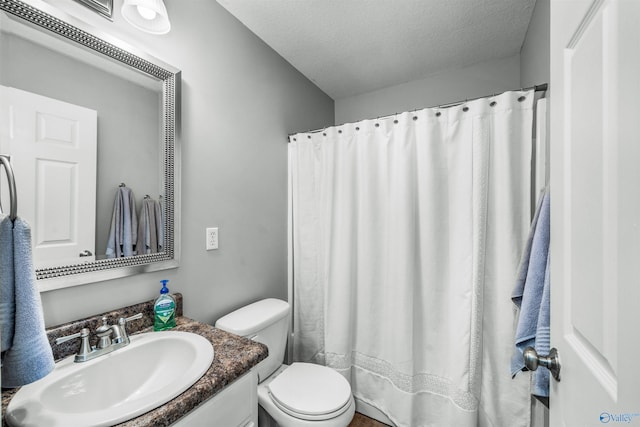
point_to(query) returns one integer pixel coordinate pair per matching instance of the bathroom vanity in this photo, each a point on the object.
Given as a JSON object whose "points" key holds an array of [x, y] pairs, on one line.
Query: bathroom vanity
{"points": [[225, 395]]}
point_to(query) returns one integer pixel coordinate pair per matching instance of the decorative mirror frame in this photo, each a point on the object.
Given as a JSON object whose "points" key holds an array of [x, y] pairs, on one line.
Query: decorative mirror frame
{"points": [[64, 26]]}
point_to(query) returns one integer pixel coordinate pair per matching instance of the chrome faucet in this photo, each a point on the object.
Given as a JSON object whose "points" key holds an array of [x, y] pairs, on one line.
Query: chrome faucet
{"points": [[110, 338]]}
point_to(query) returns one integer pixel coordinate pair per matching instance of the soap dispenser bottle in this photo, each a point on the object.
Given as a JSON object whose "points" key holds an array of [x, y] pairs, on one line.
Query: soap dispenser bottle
{"points": [[164, 310]]}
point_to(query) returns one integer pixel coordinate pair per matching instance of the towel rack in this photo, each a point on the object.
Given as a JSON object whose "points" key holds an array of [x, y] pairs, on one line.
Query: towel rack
{"points": [[13, 196]]}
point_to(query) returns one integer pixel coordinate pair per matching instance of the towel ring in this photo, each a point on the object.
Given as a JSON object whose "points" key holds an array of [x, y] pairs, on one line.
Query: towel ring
{"points": [[13, 195]]}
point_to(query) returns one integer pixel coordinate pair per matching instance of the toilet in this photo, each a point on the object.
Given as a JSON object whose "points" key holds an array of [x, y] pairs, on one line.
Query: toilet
{"points": [[302, 394]]}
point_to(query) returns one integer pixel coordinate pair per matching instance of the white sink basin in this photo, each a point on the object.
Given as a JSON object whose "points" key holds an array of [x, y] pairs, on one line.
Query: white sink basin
{"points": [[153, 369]]}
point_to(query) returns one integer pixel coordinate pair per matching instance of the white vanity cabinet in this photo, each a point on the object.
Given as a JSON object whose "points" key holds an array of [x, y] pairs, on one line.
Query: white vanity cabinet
{"points": [[235, 406]]}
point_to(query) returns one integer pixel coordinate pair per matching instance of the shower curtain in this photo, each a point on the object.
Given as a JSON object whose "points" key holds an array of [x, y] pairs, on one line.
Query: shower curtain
{"points": [[405, 239]]}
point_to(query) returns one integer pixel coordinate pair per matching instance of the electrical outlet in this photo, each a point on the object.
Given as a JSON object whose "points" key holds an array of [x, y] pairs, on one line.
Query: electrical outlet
{"points": [[212, 238]]}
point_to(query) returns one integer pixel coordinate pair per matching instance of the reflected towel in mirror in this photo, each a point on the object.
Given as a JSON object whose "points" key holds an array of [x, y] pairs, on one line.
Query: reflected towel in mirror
{"points": [[150, 228], [124, 225]]}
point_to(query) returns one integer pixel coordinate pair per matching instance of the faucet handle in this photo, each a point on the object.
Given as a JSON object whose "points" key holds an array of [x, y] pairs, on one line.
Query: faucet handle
{"points": [[134, 317], [85, 348], [122, 323], [84, 333], [124, 320]]}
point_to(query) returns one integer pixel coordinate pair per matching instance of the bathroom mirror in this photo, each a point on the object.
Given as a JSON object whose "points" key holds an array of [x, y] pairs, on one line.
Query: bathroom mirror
{"points": [[128, 101]]}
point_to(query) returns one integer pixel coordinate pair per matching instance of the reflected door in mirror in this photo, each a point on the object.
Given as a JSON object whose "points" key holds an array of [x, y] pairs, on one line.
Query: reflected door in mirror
{"points": [[53, 146]]}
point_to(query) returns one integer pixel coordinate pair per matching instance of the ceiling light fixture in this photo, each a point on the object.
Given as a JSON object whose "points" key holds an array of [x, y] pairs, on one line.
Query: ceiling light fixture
{"points": [[147, 15]]}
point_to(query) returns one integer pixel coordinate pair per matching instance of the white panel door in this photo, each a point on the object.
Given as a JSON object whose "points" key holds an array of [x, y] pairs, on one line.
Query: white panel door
{"points": [[53, 146], [595, 211]]}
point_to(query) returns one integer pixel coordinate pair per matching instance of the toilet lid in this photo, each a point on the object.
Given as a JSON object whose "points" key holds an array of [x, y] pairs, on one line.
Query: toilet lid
{"points": [[310, 391]]}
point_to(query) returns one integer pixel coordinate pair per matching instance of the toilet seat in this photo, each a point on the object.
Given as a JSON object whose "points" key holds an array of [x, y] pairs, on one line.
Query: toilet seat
{"points": [[310, 392]]}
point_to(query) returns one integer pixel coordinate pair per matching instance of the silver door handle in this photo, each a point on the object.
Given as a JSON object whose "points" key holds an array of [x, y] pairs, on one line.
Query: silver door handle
{"points": [[86, 252], [551, 362]]}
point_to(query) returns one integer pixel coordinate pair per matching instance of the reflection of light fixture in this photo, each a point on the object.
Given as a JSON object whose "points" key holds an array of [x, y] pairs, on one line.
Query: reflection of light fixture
{"points": [[147, 15]]}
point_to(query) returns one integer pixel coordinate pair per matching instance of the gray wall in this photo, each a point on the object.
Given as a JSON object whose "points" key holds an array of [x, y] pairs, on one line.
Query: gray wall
{"points": [[451, 85], [534, 56], [527, 69], [128, 119], [240, 100]]}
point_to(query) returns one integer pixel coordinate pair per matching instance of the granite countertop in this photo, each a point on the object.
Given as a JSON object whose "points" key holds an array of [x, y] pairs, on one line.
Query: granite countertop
{"points": [[233, 357]]}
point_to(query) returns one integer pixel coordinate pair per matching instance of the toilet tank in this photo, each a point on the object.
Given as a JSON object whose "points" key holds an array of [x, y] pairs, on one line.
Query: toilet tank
{"points": [[264, 321]]}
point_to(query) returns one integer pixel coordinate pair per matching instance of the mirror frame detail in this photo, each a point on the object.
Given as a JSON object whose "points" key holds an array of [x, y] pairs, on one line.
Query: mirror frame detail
{"points": [[49, 19]]}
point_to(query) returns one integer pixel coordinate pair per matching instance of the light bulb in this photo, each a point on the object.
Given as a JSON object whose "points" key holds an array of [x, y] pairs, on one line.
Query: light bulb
{"points": [[146, 13]]}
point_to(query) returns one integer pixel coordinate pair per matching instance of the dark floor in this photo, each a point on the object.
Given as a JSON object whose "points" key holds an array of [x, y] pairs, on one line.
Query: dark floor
{"points": [[360, 420]]}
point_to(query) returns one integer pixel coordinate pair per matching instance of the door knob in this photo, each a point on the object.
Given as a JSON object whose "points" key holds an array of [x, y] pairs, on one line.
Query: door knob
{"points": [[86, 252], [552, 362]]}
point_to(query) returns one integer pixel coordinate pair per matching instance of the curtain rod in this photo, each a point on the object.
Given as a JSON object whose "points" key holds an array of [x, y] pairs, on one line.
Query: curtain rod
{"points": [[537, 88]]}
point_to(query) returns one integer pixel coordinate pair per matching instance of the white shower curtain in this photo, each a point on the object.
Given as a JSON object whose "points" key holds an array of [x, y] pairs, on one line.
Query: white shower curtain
{"points": [[406, 236]]}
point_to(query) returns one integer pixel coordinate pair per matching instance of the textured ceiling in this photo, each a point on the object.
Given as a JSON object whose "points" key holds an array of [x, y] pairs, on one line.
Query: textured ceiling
{"points": [[349, 47]]}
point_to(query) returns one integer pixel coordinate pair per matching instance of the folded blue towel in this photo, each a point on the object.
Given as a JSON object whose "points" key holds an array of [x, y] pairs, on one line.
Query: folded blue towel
{"points": [[540, 378], [530, 286], [30, 357], [523, 267], [8, 300]]}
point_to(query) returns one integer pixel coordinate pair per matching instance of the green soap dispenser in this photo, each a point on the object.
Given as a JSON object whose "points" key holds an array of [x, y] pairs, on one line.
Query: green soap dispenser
{"points": [[164, 310]]}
